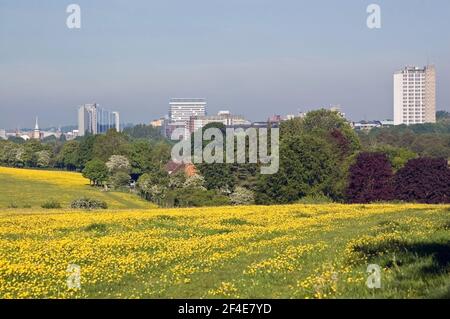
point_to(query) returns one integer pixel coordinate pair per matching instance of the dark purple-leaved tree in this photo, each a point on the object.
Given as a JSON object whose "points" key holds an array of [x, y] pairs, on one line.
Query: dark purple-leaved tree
{"points": [[370, 179], [424, 180]]}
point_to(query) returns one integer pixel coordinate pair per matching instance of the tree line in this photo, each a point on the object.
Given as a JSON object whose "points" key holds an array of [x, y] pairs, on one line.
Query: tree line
{"points": [[322, 159]]}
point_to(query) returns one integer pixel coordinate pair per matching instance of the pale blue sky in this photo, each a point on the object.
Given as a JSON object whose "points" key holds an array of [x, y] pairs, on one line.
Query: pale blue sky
{"points": [[254, 57]]}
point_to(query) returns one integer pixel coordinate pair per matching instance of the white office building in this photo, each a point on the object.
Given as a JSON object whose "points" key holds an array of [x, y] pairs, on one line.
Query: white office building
{"points": [[181, 110], [94, 120], [415, 95], [3, 134]]}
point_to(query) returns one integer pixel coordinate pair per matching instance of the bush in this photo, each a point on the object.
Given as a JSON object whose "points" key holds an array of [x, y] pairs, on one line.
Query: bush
{"points": [[13, 205], [242, 196], [51, 204], [191, 197], [88, 203], [424, 180]]}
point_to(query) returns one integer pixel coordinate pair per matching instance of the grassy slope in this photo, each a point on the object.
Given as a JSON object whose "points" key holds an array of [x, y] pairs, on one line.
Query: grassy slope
{"points": [[31, 188], [299, 251]]}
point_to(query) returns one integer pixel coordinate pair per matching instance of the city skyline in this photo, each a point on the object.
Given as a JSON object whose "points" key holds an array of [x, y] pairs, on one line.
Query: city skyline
{"points": [[258, 57]]}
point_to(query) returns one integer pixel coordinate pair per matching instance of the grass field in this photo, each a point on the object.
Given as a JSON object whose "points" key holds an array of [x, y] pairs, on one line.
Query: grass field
{"points": [[25, 188], [132, 251], [298, 251]]}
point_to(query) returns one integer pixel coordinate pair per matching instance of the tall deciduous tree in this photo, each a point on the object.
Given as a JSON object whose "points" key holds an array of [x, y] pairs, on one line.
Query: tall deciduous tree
{"points": [[70, 155], [424, 180], [305, 168], [370, 179], [112, 143]]}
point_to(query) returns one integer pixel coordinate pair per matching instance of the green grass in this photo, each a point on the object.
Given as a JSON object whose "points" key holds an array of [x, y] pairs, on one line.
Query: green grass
{"points": [[19, 192]]}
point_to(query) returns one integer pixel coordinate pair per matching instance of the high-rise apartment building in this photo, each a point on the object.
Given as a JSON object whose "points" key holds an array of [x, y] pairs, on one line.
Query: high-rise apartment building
{"points": [[93, 119], [415, 95], [181, 110], [3, 134]]}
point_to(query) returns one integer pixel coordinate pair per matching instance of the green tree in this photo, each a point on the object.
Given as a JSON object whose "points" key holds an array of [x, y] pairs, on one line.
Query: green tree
{"points": [[86, 149], [397, 156], [12, 154], [70, 155], [43, 159], [153, 185], [119, 179], [31, 148], [218, 176], [306, 168], [143, 131], [338, 139], [112, 143], [96, 171]]}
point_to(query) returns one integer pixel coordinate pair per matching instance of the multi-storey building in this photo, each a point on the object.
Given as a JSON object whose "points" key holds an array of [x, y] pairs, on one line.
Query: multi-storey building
{"points": [[181, 110], [3, 134], [93, 119], [415, 95]]}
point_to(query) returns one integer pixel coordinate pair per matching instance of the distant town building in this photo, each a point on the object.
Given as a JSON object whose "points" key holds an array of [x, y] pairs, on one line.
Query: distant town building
{"points": [[366, 125], [116, 117], [223, 117], [173, 168], [93, 119], [36, 133], [157, 123], [275, 119], [387, 123], [337, 109], [415, 95], [170, 127], [3, 134], [25, 137], [332, 108], [181, 110]]}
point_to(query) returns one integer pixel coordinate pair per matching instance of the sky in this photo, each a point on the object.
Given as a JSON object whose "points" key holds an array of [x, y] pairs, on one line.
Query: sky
{"points": [[252, 57]]}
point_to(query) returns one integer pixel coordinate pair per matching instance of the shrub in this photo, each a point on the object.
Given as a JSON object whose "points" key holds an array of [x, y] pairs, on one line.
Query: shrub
{"points": [[424, 180], [13, 205], [242, 196], [370, 179], [191, 197], [88, 203], [51, 204]]}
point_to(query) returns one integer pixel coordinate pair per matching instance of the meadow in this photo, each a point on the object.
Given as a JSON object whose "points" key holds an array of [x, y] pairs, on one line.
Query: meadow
{"points": [[26, 188], [293, 251]]}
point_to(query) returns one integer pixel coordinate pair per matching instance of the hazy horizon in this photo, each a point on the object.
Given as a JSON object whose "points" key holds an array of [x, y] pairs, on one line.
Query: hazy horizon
{"points": [[253, 57]]}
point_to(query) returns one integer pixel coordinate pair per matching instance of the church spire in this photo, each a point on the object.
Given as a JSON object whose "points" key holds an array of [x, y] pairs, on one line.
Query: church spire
{"points": [[36, 127]]}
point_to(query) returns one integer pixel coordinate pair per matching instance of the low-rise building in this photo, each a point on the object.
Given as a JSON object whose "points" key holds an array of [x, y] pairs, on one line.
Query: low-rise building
{"points": [[366, 125], [157, 123], [223, 117]]}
